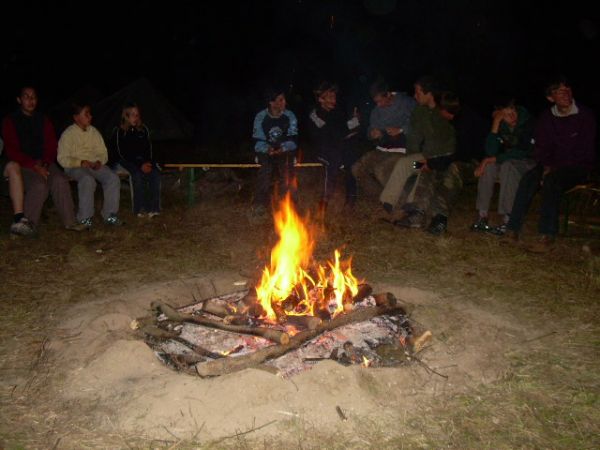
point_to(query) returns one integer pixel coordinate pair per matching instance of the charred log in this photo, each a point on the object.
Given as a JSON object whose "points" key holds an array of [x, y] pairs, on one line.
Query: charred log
{"points": [[273, 335], [228, 365], [364, 290]]}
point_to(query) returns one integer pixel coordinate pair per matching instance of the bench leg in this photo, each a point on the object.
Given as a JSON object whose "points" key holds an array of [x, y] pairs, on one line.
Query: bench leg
{"points": [[191, 187]]}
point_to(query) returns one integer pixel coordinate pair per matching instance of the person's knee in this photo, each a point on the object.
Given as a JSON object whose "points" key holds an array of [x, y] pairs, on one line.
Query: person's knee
{"points": [[37, 186], [60, 183], [12, 169], [87, 183]]}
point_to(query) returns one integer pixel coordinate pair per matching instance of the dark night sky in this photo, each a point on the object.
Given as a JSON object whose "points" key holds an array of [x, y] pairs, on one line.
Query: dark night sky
{"points": [[212, 59]]}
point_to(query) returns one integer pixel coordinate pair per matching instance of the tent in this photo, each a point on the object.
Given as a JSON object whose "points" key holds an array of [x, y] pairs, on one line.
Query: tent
{"points": [[163, 119]]}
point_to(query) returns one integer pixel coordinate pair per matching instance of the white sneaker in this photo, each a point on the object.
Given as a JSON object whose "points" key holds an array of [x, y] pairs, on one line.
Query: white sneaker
{"points": [[141, 215], [151, 214], [22, 228]]}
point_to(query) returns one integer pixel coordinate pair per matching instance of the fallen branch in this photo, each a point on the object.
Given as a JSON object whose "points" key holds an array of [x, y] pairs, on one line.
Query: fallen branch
{"points": [[234, 364], [273, 335]]}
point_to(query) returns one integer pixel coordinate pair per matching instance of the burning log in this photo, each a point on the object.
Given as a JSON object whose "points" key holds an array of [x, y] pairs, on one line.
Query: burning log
{"points": [[364, 290], [290, 303], [216, 309], [273, 335], [229, 365], [279, 312], [306, 322], [236, 319], [385, 298]]}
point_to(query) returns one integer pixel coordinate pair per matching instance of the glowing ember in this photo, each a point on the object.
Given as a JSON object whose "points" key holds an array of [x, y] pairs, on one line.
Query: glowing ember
{"points": [[289, 285]]}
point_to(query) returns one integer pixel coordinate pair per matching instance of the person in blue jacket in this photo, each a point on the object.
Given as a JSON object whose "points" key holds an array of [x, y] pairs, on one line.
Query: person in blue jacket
{"points": [[275, 134]]}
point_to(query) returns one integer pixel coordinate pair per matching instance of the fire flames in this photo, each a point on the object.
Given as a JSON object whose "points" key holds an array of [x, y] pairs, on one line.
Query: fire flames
{"points": [[293, 284]]}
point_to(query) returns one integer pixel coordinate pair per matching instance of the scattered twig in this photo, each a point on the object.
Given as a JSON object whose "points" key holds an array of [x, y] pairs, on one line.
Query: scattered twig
{"points": [[540, 337], [251, 430], [341, 414], [168, 431], [429, 369]]}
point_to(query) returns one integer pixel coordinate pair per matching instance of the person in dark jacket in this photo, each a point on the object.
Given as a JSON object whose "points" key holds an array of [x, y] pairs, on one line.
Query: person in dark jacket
{"points": [[564, 151], [131, 141], [334, 136], [508, 149]]}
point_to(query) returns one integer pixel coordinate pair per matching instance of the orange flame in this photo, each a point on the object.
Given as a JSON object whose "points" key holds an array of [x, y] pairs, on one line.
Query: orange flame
{"points": [[288, 276], [366, 362]]}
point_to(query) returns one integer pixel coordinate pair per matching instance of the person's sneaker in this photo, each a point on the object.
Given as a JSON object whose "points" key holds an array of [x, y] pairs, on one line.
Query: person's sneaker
{"points": [[22, 228], [87, 223], [77, 226], [413, 219], [113, 220], [438, 225], [481, 225], [499, 230], [544, 244], [152, 214], [141, 215]]}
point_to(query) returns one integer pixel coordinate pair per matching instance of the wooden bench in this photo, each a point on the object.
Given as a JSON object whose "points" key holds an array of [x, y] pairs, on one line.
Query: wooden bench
{"points": [[191, 169], [582, 206]]}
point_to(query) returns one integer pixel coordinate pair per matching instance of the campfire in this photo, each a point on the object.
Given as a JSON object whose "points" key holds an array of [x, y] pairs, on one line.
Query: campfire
{"points": [[300, 312]]}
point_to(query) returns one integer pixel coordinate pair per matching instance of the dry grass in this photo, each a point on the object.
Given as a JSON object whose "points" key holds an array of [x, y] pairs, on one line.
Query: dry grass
{"points": [[547, 399]]}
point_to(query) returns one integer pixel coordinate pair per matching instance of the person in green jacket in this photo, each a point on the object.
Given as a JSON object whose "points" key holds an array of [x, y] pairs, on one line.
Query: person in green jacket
{"points": [[508, 149]]}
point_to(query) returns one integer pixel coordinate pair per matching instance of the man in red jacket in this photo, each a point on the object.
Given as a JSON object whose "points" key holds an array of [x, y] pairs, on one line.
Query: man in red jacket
{"points": [[30, 141]]}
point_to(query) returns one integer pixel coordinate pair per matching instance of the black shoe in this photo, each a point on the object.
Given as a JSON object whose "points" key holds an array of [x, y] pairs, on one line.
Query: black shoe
{"points": [[481, 225], [500, 230], [438, 225], [413, 219]]}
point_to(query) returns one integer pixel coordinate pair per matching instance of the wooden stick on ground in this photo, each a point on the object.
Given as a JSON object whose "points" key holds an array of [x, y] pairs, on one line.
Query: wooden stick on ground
{"points": [[234, 364], [273, 335]]}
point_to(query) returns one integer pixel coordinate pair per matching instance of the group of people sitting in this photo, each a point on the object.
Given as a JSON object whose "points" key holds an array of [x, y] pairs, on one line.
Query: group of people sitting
{"points": [[425, 148], [38, 165], [428, 146]]}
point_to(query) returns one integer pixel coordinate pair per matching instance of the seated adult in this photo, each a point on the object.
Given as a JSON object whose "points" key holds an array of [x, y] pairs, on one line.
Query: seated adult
{"points": [[435, 138], [509, 150], [564, 151], [11, 171], [31, 142], [389, 125], [81, 151], [275, 133], [333, 132], [131, 141]]}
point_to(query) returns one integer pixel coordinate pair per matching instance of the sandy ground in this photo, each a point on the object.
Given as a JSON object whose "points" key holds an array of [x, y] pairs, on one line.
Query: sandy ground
{"points": [[101, 362]]}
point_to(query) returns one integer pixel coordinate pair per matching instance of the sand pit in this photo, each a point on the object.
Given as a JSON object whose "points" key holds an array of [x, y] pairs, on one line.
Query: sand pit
{"points": [[104, 365]]}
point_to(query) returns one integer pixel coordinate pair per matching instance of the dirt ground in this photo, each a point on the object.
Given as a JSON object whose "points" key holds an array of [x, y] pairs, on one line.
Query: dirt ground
{"points": [[513, 362]]}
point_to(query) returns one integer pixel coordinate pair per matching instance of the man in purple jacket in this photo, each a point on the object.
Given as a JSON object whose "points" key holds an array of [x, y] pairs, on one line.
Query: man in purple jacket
{"points": [[565, 153]]}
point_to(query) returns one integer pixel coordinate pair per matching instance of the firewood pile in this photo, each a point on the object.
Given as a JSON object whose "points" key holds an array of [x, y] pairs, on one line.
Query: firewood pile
{"points": [[229, 333]]}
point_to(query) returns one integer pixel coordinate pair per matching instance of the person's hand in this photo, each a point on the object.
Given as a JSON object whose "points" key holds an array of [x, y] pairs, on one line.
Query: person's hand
{"points": [[41, 170], [375, 133], [86, 164], [96, 165], [497, 118], [480, 170], [393, 131], [274, 151], [146, 167], [425, 168]]}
